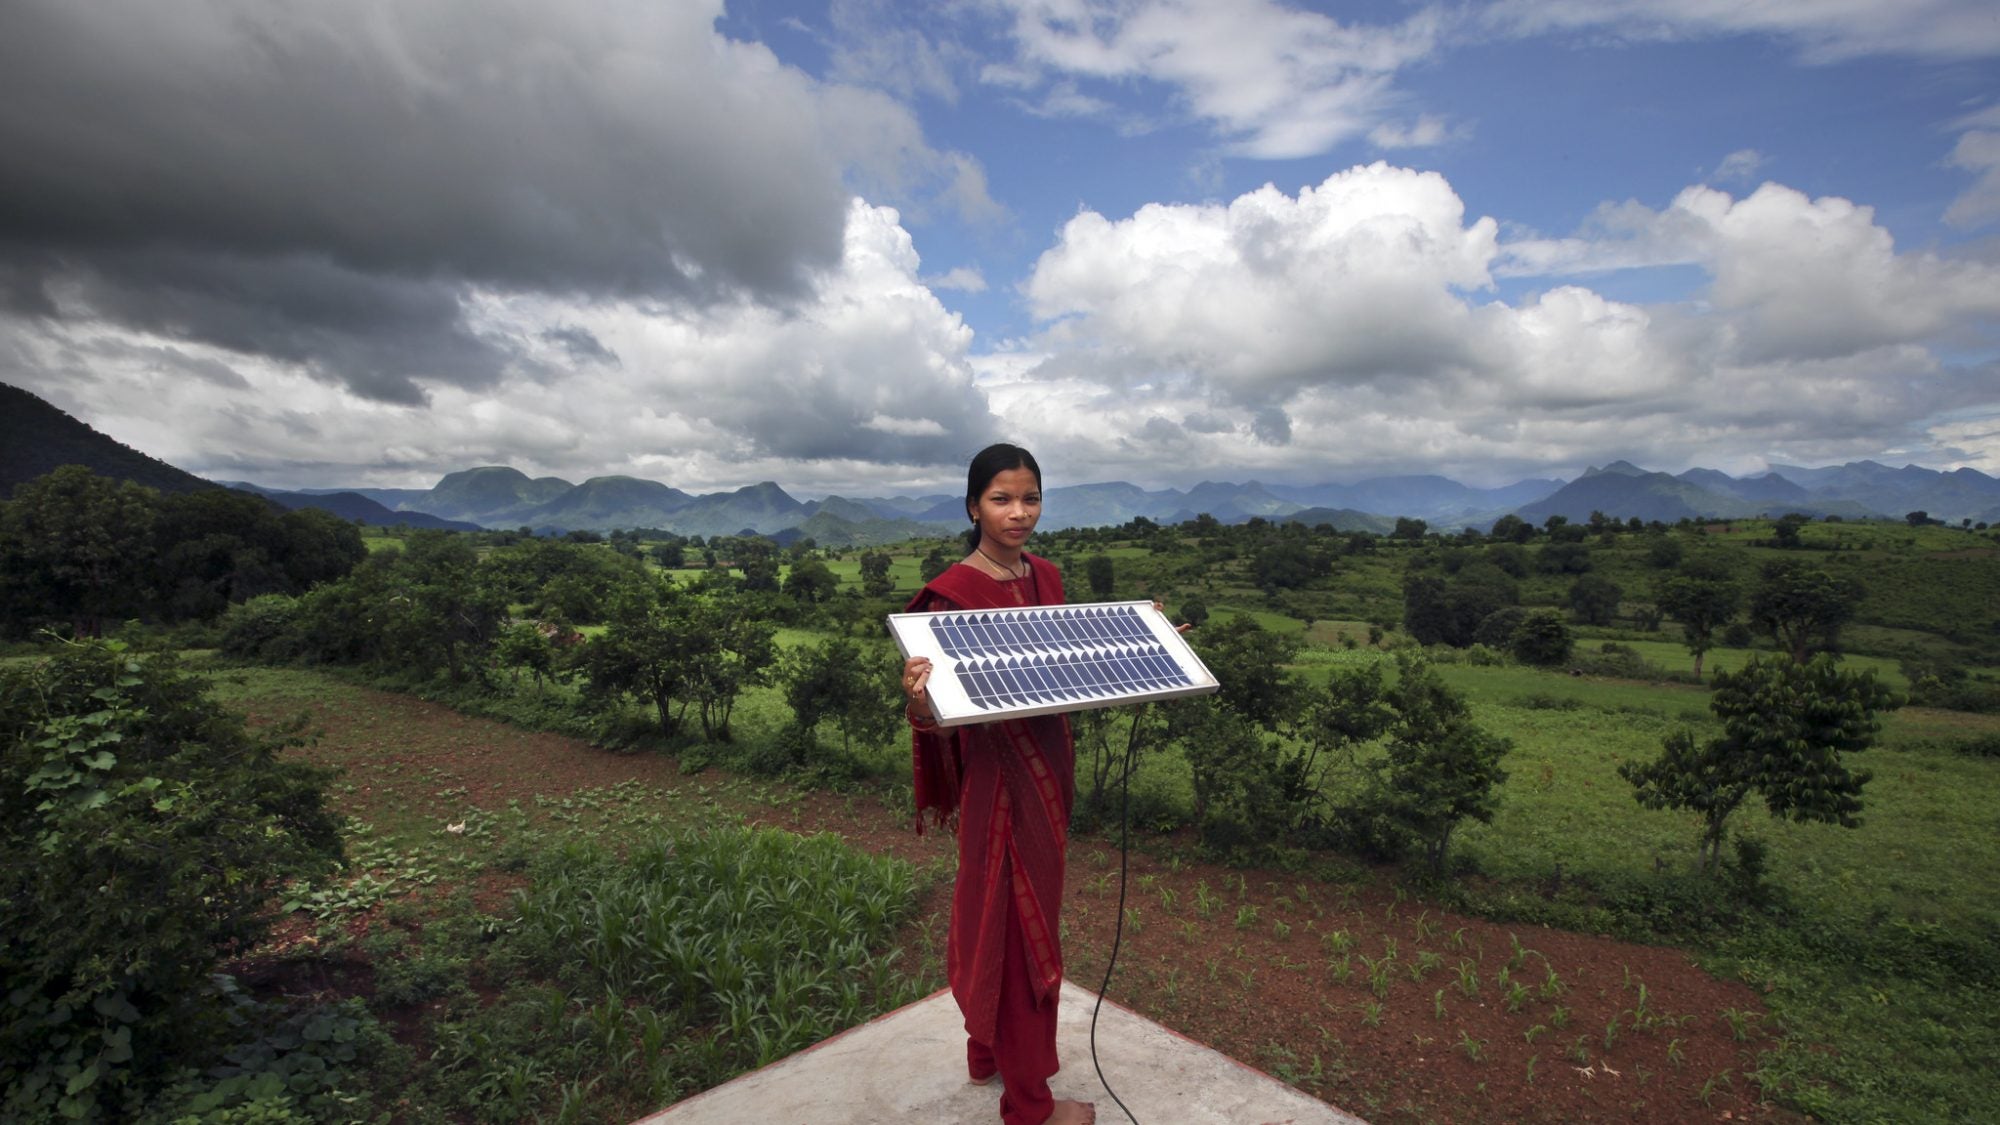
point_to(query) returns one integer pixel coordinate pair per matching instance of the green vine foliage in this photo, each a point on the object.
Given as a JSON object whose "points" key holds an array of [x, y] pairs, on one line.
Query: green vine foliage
{"points": [[143, 830]]}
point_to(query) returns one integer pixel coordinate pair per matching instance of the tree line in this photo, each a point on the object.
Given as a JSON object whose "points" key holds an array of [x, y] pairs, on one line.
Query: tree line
{"points": [[78, 550]]}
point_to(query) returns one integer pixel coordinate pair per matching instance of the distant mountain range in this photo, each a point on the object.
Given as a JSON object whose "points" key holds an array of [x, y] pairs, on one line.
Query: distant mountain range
{"points": [[1856, 490], [35, 437]]}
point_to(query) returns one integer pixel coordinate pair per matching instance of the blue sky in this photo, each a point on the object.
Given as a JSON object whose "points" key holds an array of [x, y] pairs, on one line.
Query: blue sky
{"points": [[841, 245]]}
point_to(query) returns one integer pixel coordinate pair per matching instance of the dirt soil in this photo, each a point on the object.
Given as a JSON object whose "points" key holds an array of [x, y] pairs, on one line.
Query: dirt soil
{"points": [[1388, 1007]]}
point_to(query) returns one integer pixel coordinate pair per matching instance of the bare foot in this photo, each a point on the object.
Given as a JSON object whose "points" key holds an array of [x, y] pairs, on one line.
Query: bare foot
{"points": [[986, 1081], [1073, 1113]]}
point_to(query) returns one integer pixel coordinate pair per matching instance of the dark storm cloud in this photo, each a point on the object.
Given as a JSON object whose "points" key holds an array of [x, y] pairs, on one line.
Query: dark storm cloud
{"points": [[321, 181], [21, 283], [1272, 426], [377, 335], [603, 147], [580, 345]]}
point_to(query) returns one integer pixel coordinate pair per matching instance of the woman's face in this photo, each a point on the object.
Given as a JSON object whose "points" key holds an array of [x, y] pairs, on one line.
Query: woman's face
{"points": [[1008, 508]]}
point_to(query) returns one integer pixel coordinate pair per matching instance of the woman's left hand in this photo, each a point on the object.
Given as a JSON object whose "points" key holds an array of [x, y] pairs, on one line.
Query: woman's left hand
{"points": [[916, 677]]}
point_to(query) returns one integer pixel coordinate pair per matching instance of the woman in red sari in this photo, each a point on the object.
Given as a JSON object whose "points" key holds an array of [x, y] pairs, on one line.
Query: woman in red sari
{"points": [[1006, 788]]}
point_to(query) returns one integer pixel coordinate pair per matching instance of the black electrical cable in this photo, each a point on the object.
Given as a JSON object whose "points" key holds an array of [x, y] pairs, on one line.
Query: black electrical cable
{"points": [[1118, 931]]}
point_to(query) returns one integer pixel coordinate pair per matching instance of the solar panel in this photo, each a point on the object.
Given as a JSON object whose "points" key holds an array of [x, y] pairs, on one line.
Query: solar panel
{"points": [[989, 664]]}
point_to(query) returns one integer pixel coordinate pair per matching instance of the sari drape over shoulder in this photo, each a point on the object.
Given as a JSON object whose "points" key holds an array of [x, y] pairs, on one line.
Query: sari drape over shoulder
{"points": [[1007, 788]]}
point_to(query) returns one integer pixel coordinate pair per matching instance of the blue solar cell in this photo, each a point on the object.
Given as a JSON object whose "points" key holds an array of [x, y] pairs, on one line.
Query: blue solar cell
{"points": [[1056, 656]]}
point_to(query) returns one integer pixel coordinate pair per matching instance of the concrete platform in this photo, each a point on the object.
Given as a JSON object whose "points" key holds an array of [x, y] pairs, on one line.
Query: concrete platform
{"points": [[908, 1068]]}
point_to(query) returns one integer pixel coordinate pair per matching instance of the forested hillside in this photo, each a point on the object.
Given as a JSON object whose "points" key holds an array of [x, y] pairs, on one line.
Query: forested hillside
{"points": [[36, 438]]}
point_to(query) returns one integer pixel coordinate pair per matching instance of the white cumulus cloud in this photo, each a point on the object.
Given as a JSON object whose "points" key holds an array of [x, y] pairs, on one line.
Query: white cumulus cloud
{"points": [[1355, 329], [1274, 81]]}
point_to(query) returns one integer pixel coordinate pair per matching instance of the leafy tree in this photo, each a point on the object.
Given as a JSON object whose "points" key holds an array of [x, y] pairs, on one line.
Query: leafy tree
{"points": [[671, 555], [1542, 638], [811, 581], [1917, 519], [1427, 614], [1498, 629], [647, 650], [1785, 532], [1803, 608], [1098, 731], [1231, 766], [344, 622], [1785, 725], [1255, 682], [1194, 610], [1408, 528], [443, 610], [1436, 611], [759, 560], [78, 546], [1351, 712], [1438, 768], [934, 563], [557, 578], [837, 682], [736, 652], [1097, 570], [875, 579], [320, 547], [1287, 564], [1510, 559], [1513, 529], [1594, 599], [532, 646], [1663, 552], [1703, 600], [216, 547], [146, 831], [1561, 556]]}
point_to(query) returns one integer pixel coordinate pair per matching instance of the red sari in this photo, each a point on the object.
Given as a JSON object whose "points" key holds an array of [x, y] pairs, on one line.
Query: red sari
{"points": [[1007, 788]]}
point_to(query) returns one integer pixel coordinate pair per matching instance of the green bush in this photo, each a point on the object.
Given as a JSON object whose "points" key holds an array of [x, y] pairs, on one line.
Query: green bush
{"points": [[143, 830], [263, 628], [1543, 637]]}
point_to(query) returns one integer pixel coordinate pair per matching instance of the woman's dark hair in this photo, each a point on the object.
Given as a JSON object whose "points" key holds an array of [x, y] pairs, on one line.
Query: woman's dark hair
{"points": [[987, 464]]}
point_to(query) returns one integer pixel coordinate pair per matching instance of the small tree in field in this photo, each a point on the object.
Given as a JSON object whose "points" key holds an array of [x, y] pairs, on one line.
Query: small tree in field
{"points": [[1542, 638], [875, 579], [1803, 608], [1785, 725], [934, 564], [839, 682], [1440, 768], [1702, 601], [1097, 571], [1594, 598]]}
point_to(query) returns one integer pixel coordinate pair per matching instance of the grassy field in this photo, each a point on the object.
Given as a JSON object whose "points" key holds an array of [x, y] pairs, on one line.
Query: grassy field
{"points": [[1870, 1033]]}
